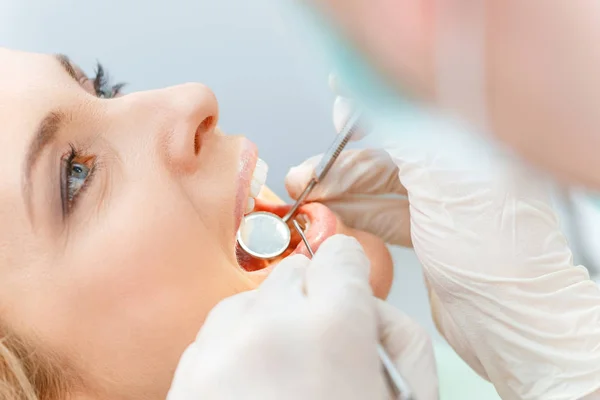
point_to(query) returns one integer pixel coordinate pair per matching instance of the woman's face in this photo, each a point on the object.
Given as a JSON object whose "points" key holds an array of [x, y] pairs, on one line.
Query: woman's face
{"points": [[118, 220]]}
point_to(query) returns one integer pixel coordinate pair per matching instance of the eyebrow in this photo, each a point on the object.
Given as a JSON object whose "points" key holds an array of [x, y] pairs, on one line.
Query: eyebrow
{"points": [[45, 134]]}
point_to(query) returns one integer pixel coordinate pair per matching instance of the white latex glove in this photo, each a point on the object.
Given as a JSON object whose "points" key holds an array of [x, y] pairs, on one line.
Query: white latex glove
{"points": [[503, 288], [309, 332]]}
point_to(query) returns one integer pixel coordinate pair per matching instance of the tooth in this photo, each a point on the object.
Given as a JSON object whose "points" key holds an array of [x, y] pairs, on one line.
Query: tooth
{"points": [[259, 177], [255, 187], [260, 171], [249, 205]]}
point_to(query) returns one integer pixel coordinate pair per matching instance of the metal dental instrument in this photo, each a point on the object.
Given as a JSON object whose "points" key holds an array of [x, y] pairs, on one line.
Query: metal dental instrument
{"points": [[265, 235], [301, 233], [395, 380]]}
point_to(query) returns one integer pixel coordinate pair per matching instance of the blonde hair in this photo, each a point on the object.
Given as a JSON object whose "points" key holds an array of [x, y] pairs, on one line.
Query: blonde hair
{"points": [[26, 375]]}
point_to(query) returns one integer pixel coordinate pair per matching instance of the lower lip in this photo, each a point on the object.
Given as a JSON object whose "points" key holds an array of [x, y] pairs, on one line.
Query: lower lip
{"points": [[248, 157]]}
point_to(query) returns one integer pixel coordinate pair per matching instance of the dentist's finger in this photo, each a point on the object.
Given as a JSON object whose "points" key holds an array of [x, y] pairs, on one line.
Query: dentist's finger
{"points": [[342, 111], [337, 87], [286, 282], [338, 275], [344, 107], [360, 172], [411, 350]]}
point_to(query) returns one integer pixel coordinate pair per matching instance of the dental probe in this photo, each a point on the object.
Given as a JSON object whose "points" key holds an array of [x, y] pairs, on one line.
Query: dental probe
{"points": [[395, 380], [327, 161]]}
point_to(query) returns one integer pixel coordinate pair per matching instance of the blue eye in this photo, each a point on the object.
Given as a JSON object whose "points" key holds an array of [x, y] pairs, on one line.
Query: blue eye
{"points": [[79, 171], [78, 174]]}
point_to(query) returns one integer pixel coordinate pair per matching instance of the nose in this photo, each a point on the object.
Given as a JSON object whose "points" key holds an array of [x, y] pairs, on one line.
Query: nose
{"points": [[191, 112]]}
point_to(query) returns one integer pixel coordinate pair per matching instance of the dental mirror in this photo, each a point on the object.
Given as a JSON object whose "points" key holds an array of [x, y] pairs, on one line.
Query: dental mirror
{"points": [[265, 235]]}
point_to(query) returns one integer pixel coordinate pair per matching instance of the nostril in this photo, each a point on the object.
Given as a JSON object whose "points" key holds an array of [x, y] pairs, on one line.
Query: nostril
{"points": [[196, 143], [205, 126]]}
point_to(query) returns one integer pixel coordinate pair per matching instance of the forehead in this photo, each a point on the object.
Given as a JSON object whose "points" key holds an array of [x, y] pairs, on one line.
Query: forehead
{"points": [[20, 68], [30, 85], [29, 79]]}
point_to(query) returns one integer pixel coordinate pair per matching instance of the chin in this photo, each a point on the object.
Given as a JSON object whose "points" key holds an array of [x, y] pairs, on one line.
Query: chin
{"points": [[319, 223]]}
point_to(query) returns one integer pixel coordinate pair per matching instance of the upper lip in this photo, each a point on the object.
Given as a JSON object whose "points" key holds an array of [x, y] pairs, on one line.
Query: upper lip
{"points": [[248, 159]]}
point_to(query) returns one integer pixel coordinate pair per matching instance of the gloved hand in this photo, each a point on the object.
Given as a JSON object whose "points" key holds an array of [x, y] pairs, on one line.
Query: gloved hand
{"points": [[309, 332], [503, 288], [367, 193]]}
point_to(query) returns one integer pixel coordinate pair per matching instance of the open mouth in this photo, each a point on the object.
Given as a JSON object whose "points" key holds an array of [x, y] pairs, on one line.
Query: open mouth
{"points": [[318, 223]]}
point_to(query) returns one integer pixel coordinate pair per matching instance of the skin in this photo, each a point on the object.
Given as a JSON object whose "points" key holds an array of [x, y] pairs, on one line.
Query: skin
{"points": [[541, 62], [119, 286]]}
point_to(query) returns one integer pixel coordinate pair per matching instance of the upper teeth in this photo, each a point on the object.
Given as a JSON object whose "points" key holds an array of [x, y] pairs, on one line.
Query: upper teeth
{"points": [[249, 205], [259, 177]]}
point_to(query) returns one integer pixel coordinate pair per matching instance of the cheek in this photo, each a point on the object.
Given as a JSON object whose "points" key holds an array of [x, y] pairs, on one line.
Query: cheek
{"points": [[214, 188], [140, 285]]}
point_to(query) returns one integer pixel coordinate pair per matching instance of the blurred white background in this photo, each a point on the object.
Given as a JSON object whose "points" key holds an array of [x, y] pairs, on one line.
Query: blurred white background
{"points": [[270, 81]]}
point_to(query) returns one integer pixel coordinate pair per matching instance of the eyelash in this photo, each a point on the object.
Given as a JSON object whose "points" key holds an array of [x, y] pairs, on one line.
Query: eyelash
{"points": [[102, 85], [68, 197]]}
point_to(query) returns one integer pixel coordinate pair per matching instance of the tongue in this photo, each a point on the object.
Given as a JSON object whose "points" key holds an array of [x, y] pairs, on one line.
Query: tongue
{"points": [[322, 223]]}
